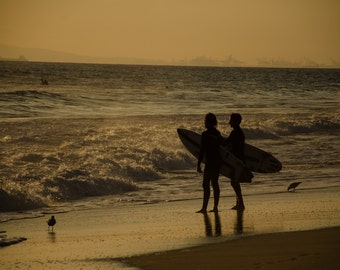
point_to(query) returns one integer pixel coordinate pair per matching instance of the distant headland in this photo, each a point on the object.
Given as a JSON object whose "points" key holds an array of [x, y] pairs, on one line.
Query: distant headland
{"points": [[20, 58], [8, 53]]}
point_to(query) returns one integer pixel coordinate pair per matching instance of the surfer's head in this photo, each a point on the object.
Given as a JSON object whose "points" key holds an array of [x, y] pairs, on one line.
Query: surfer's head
{"points": [[235, 119], [210, 120]]}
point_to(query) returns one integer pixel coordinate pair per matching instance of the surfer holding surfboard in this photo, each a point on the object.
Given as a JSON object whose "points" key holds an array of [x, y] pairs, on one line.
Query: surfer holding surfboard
{"points": [[236, 142], [238, 159], [209, 151]]}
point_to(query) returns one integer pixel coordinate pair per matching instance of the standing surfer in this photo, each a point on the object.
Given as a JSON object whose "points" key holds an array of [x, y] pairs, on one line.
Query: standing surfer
{"points": [[209, 151], [236, 141]]}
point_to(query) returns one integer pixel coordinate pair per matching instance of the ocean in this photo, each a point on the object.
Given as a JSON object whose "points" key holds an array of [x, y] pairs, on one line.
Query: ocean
{"points": [[105, 135]]}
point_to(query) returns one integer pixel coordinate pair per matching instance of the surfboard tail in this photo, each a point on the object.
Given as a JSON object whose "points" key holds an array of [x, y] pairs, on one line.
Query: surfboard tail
{"points": [[246, 177]]}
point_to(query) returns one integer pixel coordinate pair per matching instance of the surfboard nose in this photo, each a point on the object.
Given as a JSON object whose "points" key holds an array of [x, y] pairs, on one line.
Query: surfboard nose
{"points": [[188, 135], [180, 131]]}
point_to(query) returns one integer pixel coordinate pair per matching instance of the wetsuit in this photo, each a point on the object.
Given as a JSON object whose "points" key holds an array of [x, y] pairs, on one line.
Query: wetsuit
{"points": [[236, 141], [210, 151]]}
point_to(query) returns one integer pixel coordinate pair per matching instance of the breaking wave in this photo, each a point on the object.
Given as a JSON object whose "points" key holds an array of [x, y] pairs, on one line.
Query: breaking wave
{"points": [[46, 161], [293, 125]]}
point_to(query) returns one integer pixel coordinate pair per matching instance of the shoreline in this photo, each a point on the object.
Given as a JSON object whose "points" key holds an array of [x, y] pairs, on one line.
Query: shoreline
{"points": [[312, 249], [107, 237]]}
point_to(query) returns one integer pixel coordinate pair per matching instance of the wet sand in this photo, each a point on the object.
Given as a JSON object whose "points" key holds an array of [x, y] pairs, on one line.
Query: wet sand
{"points": [[313, 250], [111, 238]]}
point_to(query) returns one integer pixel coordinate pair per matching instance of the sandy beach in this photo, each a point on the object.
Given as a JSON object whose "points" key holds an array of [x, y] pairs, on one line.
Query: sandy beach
{"points": [[317, 249], [276, 231]]}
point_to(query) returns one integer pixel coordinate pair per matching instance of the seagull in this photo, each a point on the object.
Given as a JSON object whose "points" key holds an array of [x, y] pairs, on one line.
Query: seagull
{"points": [[51, 222], [293, 186]]}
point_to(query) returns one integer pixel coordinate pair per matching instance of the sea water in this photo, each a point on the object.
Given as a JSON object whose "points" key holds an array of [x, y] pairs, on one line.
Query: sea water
{"points": [[105, 135]]}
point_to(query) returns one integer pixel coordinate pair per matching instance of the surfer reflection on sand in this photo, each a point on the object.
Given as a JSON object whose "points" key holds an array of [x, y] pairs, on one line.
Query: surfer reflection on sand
{"points": [[238, 224], [208, 225]]}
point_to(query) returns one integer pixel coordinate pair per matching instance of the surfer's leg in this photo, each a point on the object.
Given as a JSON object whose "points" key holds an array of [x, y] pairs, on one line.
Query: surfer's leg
{"points": [[216, 188], [232, 183], [239, 199], [206, 193]]}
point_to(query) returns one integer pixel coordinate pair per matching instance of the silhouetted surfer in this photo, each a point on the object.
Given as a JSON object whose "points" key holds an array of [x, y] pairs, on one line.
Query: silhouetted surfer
{"points": [[213, 161], [236, 141]]}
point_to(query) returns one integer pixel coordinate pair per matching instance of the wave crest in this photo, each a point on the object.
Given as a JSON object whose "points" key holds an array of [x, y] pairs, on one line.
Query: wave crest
{"points": [[71, 188], [292, 124], [283, 128], [45, 162], [51, 160]]}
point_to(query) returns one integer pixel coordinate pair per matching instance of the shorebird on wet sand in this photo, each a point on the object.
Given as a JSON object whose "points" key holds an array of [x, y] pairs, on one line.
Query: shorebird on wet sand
{"points": [[51, 222], [293, 186]]}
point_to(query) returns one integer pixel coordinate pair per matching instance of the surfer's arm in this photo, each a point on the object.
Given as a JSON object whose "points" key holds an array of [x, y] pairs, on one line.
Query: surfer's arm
{"points": [[224, 141], [199, 168], [201, 155], [200, 158]]}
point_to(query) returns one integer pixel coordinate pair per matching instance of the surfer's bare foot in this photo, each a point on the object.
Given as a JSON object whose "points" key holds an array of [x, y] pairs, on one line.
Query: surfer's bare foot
{"points": [[238, 207], [202, 211], [214, 210]]}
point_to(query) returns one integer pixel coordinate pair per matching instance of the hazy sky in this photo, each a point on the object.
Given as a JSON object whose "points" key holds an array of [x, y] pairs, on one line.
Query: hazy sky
{"points": [[176, 29]]}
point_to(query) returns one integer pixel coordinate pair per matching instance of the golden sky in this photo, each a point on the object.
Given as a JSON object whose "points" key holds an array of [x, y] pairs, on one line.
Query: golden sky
{"points": [[176, 29]]}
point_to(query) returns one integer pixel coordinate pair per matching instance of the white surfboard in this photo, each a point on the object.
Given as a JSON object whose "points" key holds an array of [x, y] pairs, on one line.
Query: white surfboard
{"points": [[231, 167], [261, 161]]}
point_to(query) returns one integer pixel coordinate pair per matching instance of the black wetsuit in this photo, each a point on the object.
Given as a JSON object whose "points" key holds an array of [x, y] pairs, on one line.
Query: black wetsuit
{"points": [[210, 151], [236, 141]]}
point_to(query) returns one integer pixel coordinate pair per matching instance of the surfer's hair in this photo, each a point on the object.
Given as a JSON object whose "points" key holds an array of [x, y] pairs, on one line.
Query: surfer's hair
{"points": [[210, 120], [236, 117]]}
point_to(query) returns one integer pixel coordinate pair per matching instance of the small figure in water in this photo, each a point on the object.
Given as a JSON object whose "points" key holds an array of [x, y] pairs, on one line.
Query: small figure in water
{"points": [[209, 151], [44, 82]]}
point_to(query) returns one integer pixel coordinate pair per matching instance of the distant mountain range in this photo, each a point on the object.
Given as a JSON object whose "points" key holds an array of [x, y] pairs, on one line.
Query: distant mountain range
{"points": [[20, 58], [43, 55], [12, 53]]}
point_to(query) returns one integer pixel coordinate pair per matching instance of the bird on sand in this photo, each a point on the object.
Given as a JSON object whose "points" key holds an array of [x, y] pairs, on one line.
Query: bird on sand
{"points": [[293, 186], [51, 222]]}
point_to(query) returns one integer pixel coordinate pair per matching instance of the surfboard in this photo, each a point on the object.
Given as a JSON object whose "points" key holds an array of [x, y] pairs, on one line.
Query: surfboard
{"points": [[260, 161], [231, 167], [257, 160]]}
